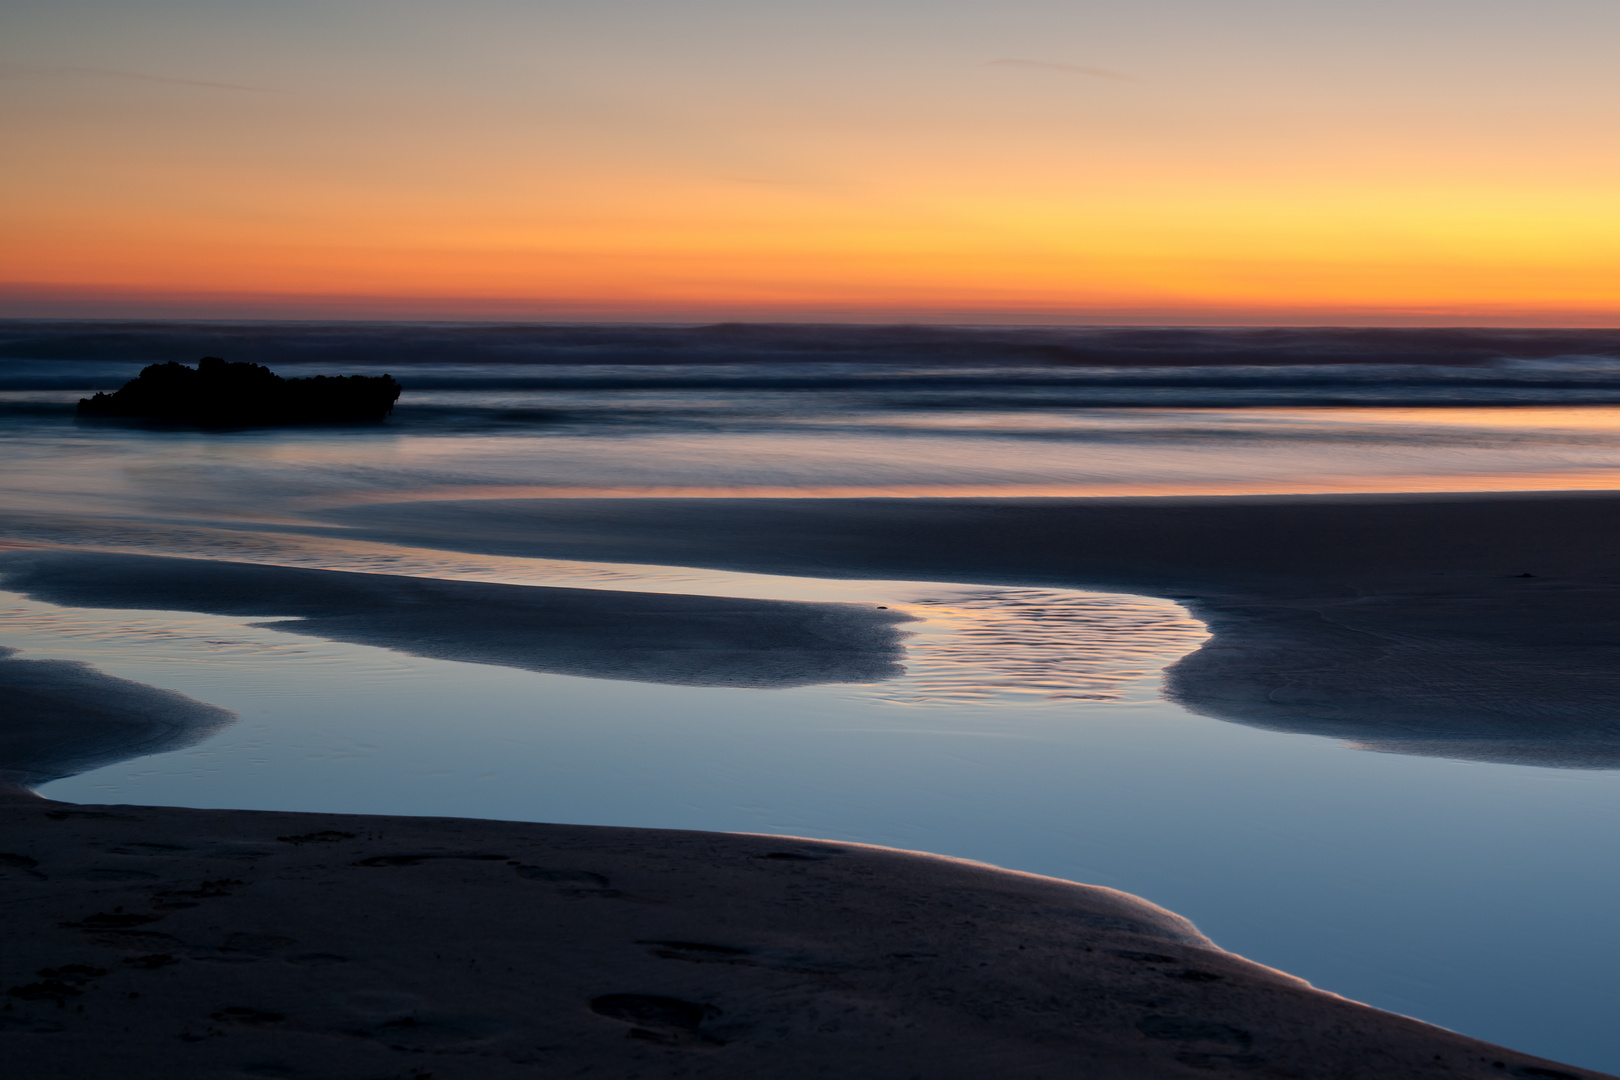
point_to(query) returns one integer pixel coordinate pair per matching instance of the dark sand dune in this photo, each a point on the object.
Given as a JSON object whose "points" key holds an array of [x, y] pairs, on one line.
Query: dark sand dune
{"points": [[58, 718], [1398, 622], [170, 943], [645, 637]]}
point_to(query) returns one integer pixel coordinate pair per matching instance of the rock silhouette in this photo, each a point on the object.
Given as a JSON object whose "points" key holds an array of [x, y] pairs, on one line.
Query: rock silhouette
{"points": [[220, 394]]}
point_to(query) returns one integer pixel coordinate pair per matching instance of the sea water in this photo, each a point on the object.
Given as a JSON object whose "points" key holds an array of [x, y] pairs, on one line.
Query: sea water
{"points": [[1028, 731]]}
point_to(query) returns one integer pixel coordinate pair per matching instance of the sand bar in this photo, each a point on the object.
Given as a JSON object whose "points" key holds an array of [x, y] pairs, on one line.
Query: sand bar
{"points": [[146, 942], [1467, 626], [645, 637], [172, 942]]}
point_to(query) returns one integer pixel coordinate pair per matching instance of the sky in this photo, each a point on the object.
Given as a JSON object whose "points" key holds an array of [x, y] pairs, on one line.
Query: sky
{"points": [[1404, 162]]}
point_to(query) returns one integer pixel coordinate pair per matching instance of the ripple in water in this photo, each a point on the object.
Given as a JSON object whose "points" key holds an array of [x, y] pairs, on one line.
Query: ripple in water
{"points": [[1044, 643], [971, 643]]}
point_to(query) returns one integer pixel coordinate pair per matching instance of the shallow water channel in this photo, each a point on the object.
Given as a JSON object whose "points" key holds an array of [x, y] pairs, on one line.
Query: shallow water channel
{"points": [[1028, 732]]}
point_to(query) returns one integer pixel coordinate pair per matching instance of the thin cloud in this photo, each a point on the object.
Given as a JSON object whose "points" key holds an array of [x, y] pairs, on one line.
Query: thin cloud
{"points": [[1070, 69], [113, 73]]}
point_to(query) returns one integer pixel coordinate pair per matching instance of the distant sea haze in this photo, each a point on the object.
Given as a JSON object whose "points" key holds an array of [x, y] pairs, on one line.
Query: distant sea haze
{"points": [[504, 412], [926, 367]]}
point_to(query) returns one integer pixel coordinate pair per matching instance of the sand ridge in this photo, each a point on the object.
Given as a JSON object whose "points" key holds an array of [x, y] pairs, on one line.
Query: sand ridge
{"points": [[1473, 626], [62, 717], [170, 942], [596, 633], [159, 942]]}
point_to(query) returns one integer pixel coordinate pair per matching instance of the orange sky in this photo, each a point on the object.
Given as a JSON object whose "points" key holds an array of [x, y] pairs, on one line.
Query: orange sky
{"points": [[1442, 162]]}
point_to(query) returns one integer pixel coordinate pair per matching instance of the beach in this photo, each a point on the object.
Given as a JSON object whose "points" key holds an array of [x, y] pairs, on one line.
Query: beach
{"points": [[867, 541], [235, 942], [1305, 636], [151, 942], [1475, 626]]}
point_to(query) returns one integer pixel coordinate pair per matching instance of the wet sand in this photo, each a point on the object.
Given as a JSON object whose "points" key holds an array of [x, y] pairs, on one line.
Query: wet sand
{"points": [[193, 943], [639, 636], [171, 942], [59, 718], [1469, 626]]}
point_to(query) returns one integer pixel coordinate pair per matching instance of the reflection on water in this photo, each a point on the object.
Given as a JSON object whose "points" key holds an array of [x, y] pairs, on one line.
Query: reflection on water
{"points": [[1464, 894], [133, 485], [96, 635], [672, 638], [980, 644], [1028, 729], [963, 644]]}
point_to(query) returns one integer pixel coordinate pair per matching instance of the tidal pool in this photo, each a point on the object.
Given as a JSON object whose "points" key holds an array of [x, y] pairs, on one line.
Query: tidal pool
{"points": [[1028, 732]]}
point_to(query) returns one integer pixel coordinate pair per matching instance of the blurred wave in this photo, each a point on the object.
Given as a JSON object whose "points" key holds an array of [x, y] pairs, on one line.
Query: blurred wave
{"points": [[415, 343], [874, 367], [495, 413]]}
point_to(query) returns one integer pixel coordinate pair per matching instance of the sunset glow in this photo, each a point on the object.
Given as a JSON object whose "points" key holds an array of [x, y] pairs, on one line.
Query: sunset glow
{"points": [[1283, 163]]}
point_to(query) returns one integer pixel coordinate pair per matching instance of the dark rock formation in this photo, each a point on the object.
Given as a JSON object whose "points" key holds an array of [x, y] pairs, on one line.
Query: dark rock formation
{"points": [[218, 394]]}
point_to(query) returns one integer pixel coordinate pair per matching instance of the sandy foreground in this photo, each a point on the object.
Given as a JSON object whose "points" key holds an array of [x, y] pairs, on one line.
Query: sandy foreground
{"points": [[178, 943], [158, 942]]}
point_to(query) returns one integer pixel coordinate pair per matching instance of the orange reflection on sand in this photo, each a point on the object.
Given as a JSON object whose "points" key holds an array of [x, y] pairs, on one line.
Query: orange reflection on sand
{"points": [[1572, 480], [1570, 417], [976, 644]]}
